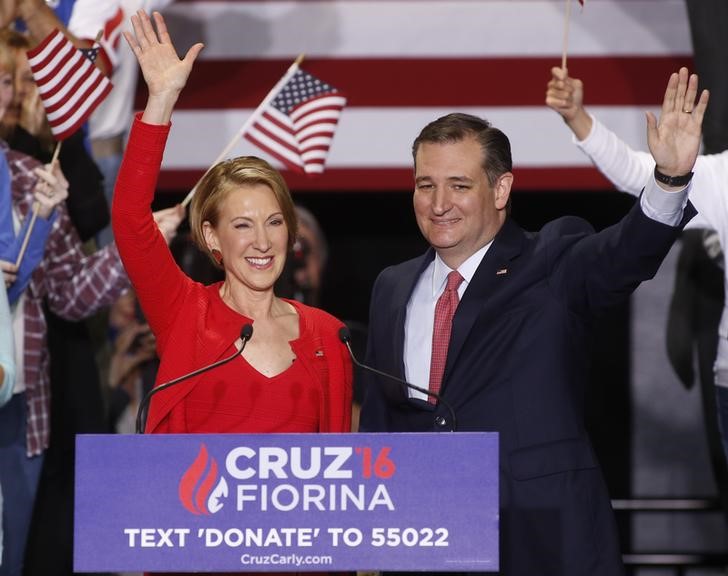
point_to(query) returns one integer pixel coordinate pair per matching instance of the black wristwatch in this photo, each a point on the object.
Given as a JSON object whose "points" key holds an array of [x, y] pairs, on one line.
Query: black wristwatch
{"points": [[673, 181]]}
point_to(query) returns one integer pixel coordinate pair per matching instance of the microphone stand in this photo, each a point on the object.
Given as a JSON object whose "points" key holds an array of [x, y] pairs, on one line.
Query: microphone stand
{"points": [[345, 337], [245, 334]]}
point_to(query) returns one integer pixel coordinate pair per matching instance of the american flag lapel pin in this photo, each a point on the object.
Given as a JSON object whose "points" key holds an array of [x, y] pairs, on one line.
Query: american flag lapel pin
{"points": [[501, 272]]}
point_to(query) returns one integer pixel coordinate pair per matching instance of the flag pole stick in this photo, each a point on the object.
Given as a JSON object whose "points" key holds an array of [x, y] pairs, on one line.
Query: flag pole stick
{"points": [[36, 208], [19, 259], [248, 122], [56, 152], [567, 18]]}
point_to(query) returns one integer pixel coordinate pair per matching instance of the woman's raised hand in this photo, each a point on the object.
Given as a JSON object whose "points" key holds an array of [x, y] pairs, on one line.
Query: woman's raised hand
{"points": [[164, 72]]}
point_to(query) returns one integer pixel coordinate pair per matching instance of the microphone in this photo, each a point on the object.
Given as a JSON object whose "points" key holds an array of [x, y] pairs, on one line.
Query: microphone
{"points": [[245, 334], [345, 337]]}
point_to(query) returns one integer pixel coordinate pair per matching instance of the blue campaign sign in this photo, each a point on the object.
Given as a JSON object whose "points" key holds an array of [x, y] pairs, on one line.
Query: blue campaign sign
{"points": [[286, 502]]}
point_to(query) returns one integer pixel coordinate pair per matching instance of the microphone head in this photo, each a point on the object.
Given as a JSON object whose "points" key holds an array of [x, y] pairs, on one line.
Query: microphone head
{"points": [[344, 335], [247, 332]]}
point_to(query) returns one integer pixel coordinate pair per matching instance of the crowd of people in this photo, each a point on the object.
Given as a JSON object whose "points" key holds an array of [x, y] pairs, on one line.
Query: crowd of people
{"points": [[90, 324]]}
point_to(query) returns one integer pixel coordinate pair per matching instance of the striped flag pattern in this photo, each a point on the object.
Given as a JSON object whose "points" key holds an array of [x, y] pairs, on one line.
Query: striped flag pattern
{"points": [[69, 84], [400, 69], [298, 125]]}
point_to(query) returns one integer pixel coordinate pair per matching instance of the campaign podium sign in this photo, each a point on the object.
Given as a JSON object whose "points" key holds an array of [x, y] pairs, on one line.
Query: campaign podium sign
{"points": [[286, 502]]}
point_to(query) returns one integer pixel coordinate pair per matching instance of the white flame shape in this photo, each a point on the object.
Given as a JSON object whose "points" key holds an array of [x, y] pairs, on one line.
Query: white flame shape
{"points": [[215, 501]]}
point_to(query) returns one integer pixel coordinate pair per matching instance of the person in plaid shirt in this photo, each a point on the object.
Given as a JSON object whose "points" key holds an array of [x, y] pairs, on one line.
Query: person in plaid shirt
{"points": [[75, 286]]}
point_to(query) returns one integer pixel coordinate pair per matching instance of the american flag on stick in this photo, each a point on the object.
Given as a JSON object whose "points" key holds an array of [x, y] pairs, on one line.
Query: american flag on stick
{"points": [[69, 84], [294, 123], [567, 18], [297, 124]]}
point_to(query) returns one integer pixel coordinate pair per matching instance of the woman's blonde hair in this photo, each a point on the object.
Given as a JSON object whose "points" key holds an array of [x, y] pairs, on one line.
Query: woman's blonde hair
{"points": [[225, 176]]}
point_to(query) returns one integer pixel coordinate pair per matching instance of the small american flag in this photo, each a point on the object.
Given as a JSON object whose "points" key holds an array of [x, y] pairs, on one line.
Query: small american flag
{"points": [[69, 84], [299, 123]]}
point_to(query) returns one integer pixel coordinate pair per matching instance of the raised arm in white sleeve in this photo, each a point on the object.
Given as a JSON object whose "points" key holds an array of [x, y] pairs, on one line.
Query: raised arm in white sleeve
{"points": [[624, 167], [629, 169]]}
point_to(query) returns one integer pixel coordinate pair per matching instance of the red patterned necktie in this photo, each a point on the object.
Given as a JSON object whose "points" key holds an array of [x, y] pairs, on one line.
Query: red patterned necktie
{"points": [[444, 312]]}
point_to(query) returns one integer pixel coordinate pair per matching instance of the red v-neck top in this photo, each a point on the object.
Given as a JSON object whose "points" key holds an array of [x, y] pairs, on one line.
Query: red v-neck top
{"points": [[238, 398]]}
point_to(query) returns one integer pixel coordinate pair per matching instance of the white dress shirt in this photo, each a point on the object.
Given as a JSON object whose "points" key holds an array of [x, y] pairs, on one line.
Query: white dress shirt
{"points": [[421, 314]]}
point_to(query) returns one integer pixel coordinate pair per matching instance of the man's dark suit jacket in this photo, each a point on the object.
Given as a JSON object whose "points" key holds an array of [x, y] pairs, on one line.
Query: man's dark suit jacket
{"points": [[517, 364]]}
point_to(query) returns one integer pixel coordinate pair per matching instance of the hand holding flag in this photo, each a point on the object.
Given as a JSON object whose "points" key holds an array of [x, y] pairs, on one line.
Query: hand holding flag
{"points": [[50, 190], [20, 254]]}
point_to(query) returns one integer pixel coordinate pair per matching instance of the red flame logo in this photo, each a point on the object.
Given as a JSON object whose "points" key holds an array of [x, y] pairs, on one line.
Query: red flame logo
{"points": [[197, 483]]}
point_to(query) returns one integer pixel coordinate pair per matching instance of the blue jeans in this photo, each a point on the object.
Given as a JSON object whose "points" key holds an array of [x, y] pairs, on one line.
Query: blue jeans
{"points": [[19, 477], [721, 401]]}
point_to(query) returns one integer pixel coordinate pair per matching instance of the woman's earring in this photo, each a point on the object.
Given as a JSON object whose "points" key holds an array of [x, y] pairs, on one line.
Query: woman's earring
{"points": [[217, 255]]}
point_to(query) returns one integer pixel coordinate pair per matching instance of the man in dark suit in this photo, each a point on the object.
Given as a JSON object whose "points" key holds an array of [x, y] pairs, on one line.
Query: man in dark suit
{"points": [[513, 356]]}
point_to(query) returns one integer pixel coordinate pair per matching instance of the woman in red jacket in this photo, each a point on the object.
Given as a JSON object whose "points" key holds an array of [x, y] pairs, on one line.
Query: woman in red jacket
{"points": [[294, 375]]}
